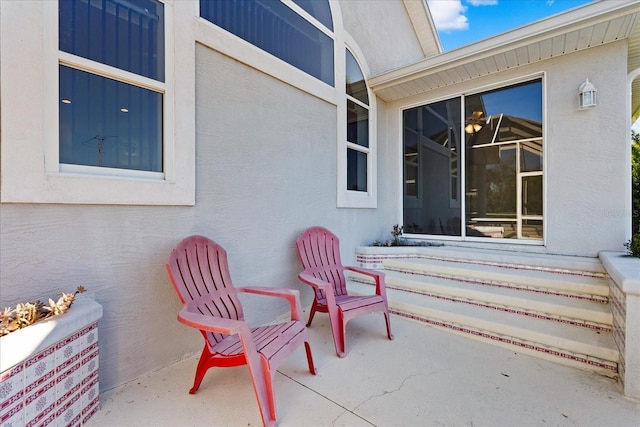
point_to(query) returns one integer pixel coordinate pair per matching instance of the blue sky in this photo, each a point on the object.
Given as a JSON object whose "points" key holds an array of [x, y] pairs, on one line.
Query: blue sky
{"points": [[461, 22]]}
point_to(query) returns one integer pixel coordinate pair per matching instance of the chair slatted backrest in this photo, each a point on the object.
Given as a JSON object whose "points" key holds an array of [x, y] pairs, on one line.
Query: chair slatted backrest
{"points": [[319, 252], [199, 271]]}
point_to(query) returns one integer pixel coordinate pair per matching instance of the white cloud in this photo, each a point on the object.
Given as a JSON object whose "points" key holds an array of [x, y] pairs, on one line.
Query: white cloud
{"points": [[484, 2], [448, 14]]}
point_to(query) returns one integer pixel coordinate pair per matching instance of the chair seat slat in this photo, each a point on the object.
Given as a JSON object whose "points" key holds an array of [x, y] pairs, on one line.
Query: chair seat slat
{"points": [[199, 270], [319, 253]]}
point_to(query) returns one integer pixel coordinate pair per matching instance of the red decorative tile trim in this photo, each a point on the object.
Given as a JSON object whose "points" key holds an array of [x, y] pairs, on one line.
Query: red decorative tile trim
{"points": [[593, 298], [38, 357], [379, 258], [11, 413], [43, 379], [13, 399], [43, 423], [533, 314], [91, 411], [11, 372], [51, 387], [603, 364]]}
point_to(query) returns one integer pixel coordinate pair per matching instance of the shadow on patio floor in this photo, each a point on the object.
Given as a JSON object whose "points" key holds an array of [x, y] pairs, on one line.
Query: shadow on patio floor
{"points": [[425, 377]]}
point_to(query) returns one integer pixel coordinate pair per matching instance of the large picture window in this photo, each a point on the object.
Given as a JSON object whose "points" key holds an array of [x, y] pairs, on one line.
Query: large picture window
{"points": [[502, 163], [111, 84], [299, 33]]}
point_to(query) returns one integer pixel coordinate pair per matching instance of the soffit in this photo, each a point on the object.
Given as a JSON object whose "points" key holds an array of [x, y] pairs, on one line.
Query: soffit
{"points": [[422, 22], [592, 25]]}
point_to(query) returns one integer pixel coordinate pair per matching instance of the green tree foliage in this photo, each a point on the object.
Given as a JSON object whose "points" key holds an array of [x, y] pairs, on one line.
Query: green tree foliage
{"points": [[635, 182], [633, 245]]}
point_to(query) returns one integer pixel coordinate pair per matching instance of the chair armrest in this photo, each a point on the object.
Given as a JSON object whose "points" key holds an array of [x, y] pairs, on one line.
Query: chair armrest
{"points": [[325, 287], [276, 292], [315, 282], [378, 276], [366, 271], [231, 327], [211, 323], [291, 295]]}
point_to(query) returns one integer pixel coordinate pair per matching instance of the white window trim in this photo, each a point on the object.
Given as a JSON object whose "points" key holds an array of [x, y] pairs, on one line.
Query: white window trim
{"points": [[31, 172], [349, 198], [241, 50], [545, 161]]}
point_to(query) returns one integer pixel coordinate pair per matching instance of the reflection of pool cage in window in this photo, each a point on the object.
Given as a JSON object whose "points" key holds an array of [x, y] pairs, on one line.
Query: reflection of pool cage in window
{"points": [[505, 128], [506, 157]]}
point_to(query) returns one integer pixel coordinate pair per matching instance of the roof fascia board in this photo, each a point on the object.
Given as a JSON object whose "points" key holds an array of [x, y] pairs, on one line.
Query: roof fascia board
{"points": [[545, 29], [423, 25]]}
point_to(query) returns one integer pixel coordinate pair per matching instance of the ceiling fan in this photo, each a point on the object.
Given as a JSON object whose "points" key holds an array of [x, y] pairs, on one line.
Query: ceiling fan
{"points": [[475, 122]]}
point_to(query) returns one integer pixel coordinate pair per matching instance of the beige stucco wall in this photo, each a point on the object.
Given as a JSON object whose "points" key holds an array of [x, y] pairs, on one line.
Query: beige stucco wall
{"points": [[586, 151], [383, 32], [265, 168]]}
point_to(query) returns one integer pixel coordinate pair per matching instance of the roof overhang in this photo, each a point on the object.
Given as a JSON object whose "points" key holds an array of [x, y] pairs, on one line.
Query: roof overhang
{"points": [[592, 25], [425, 29]]}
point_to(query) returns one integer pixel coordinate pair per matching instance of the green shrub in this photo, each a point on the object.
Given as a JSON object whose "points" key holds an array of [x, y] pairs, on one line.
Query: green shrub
{"points": [[635, 182], [633, 245]]}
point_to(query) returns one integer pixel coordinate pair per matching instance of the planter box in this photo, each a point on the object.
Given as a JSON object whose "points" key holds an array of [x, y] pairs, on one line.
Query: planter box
{"points": [[49, 370], [624, 286]]}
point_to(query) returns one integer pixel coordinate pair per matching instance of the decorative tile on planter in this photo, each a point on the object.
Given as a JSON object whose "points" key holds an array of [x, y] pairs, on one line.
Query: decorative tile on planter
{"points": [[90, 396], [39, 370], [40, 403], [13, 416], [70, 412], [11, 389], [49, 370], [68, 383]]}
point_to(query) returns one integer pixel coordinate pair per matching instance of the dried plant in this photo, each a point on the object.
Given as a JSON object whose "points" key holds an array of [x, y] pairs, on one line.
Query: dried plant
{"points": [[25, 314]]}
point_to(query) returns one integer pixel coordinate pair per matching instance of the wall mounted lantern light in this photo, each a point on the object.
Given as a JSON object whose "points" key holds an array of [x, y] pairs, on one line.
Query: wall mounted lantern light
{"points": [[587, 95]]}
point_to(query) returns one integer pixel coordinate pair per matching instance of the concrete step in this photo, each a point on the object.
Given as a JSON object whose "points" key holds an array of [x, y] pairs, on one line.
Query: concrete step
{"points": [[551, 280], [587, 348], [535, 303], [374, 257], [548, 306]]}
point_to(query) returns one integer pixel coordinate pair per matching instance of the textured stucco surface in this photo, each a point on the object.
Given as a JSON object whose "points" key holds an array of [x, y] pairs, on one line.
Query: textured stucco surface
{"points": [[586, 151], [383, 32], [265, 171]]}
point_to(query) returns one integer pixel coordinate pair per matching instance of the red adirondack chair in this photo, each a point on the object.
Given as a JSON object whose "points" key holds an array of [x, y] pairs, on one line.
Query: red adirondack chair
{"points": [[319, 252], [199, 271]]}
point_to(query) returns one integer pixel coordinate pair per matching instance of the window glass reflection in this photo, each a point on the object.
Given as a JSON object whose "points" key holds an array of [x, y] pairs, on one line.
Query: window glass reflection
{"points": [[107, 123], [432, 194], [319, 10], [355, 84], [357, 124], [532, 195], [503, 129], [126, 34], [356, 170], [277, 29]]}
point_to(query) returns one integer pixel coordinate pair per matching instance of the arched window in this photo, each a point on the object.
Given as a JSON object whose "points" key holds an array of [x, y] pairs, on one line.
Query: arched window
{"points": [[299, 33], [357, 100]]}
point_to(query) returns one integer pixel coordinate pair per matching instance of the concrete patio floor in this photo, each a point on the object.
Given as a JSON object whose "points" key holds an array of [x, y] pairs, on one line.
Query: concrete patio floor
{"points": [[425, 377]]}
